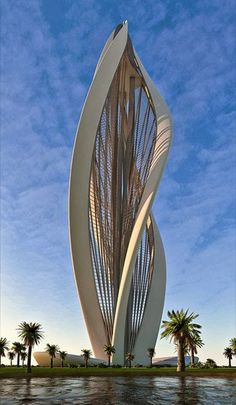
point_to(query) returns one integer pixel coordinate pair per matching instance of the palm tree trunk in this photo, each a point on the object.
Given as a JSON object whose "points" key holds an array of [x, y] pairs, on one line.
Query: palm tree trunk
{"points": [[229, 362], [181, 359], [192, 357], [29, 359], [18, 359], [86, 363], [0, 361], [62, 363], [151, 362], [51, 362], [11, 363], [129, 363], [109, 361]]}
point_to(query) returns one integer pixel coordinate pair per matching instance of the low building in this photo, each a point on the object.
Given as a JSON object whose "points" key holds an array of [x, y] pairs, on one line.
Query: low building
{"points": [[44, 360], [171, 361]]}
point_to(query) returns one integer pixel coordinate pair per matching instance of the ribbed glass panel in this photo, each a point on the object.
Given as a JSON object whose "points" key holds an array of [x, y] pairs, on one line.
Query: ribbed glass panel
{"points": [[122, 157]]}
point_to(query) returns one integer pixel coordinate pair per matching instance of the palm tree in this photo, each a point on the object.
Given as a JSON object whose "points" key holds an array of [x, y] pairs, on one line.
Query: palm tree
{"points": [[52, 350], [179, 328], [109, 350], [194, 342], [31, 334], [3, 347], [228, 353], [186, 349], [18, 348], [86, 353], [11, 356], [62, 357], [232, 345], [151, 354], [23, 357], [130, 357]]}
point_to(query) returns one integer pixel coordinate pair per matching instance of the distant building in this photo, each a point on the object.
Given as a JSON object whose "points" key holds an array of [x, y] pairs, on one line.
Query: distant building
{"points": [[171, 361], [120, 151], [44, 360]]}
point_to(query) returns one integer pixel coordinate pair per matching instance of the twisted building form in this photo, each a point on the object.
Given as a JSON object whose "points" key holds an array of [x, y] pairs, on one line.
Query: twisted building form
{"points": [[121, 147]]}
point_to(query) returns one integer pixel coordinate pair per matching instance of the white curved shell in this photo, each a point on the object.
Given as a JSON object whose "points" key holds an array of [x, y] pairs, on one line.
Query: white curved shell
{"points": [[44, 360]]}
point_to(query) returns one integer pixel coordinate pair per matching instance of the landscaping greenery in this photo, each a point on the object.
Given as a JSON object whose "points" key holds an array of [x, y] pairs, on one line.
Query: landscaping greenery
{"points": [[230, 350], [14, 372], [52, 350], [129, 357], [31, 334], [228, 353], [194, 342], [3, 348], [232, 345], [210, 363], [109, 350], [62, 355], [180, 328], [18, 348], [86, 353], [11, 356], [23, 357], [151, 354]]}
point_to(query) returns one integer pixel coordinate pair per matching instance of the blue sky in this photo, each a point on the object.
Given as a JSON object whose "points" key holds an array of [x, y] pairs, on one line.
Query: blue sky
{"points": [[49, 52]]}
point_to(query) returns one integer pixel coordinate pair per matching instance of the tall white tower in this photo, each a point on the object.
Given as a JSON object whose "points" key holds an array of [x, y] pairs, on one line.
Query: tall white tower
{"points": [[120, 151]]}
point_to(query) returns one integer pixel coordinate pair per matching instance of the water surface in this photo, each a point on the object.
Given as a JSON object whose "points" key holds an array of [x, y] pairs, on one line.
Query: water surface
{"points": [[119, 391]]}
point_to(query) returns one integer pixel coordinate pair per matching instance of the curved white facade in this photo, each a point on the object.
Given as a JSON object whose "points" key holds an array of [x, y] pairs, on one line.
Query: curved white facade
{"points": [[120, 151], [172, 361], [44, 360]]}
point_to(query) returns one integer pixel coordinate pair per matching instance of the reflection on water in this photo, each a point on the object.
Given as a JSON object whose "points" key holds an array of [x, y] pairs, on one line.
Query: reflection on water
{"points": [[119, 391]]}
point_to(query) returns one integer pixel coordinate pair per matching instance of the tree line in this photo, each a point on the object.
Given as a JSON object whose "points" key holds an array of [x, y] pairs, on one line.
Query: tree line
{"points": [[180, 328]]}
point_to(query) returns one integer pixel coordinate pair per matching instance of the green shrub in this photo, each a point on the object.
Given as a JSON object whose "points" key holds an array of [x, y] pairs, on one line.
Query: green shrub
{"points": [[199, 365], [210, 364]]}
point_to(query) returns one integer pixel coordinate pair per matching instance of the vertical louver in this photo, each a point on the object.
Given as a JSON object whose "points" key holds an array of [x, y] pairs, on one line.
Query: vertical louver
{"points": [[119, 154]]}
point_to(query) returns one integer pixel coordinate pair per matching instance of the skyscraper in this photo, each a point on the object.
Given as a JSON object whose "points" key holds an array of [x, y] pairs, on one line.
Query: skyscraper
{"points": [[121, 147]]}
